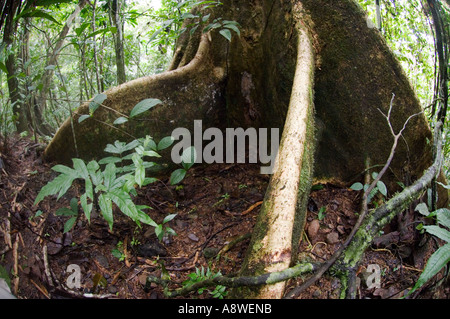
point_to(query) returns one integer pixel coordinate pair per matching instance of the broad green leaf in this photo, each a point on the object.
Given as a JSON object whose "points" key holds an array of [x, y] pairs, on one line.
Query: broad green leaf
{"points": [[37, 13], [69, 224], [443, 217], [188, 157], [64, 211], [80, 29], [120, 120], [357, 187], [165, 143], [59, 186], [382, 188], [109, 175], [123, 200], [144, 106], [50, 67], [422, 208], [3, 67], [233, 27], [80, 167], [435, 263], [87, 208], [105, 204], [74, 205], [149, 180], [226, 34], [177, 176], [110, 159], [159, 231], [144, 218], [94, 171], [46, 3], [438, 232], [168, 218], [96, 101], [83, 118], [139, 175]]}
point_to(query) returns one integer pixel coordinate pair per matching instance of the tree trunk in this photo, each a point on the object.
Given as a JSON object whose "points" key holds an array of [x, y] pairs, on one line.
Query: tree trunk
{"points": [[288, 52], [52, 61], [116, 11], [15, 93]]}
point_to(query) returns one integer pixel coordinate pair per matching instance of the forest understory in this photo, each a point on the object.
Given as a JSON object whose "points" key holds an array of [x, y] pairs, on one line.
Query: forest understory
{"points": [[216, 209]]}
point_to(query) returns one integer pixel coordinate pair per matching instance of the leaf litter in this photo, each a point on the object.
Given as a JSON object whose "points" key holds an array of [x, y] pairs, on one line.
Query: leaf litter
{"points": [[216, 207]]}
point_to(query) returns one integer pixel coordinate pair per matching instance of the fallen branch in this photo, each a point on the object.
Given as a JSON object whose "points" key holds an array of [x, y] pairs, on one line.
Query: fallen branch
{"points": [[234, 282]]}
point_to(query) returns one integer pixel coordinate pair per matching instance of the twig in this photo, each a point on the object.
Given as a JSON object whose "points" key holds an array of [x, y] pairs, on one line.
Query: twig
{"points": [[41, 289], [46, 266], [296, 291]]}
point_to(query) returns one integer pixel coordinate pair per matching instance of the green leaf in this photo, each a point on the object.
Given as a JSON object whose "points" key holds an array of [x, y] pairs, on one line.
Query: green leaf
{"points": [[96, 101], [188, 157], [159, 231], [357, 187], [443, 217], [120, 120], [177, 176], [105, 204], [64, 211], [83, 118], [37, 13], [382, 188], [3, 67], [123, 200], [110, 159], [168, 218], [422, 208], [165, 143], [109, 175], [438, 232], [80, 29], [74, 205], [80, 167], [87, 208], [69, 224], [144, 106], [59, 186], [226, 34], [435, 263], [144, 218], [234, 28]]}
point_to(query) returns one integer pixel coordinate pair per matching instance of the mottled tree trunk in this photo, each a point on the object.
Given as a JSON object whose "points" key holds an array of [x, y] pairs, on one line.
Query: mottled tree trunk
{"points": [[313, 68]]}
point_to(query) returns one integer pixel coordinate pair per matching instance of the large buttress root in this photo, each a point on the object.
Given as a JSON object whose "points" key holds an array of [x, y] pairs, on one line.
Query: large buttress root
{"points": [[192, 92], [281, 221]]}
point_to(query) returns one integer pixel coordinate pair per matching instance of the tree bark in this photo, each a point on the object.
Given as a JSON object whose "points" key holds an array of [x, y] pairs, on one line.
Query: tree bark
{"points": [[15, 91]]}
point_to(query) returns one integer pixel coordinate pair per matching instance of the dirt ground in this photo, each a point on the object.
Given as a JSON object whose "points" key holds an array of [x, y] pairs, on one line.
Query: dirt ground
{"points": [[215, 205]]}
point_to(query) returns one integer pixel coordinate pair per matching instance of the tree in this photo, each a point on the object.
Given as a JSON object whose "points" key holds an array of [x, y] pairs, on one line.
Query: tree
{"points": [[313, 68]]}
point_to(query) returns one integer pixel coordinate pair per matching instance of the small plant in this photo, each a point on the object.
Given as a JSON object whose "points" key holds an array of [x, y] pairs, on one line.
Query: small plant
{"points": [[187, 161], [441, 257], [118, 251], [322, 213], [116, 182], [162, 231], [71, 212], [379, 188], [201, 275]]}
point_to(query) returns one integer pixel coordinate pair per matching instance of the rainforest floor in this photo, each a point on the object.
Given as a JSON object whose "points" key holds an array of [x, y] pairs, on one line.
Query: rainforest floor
{"points": [[215, 205]]}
